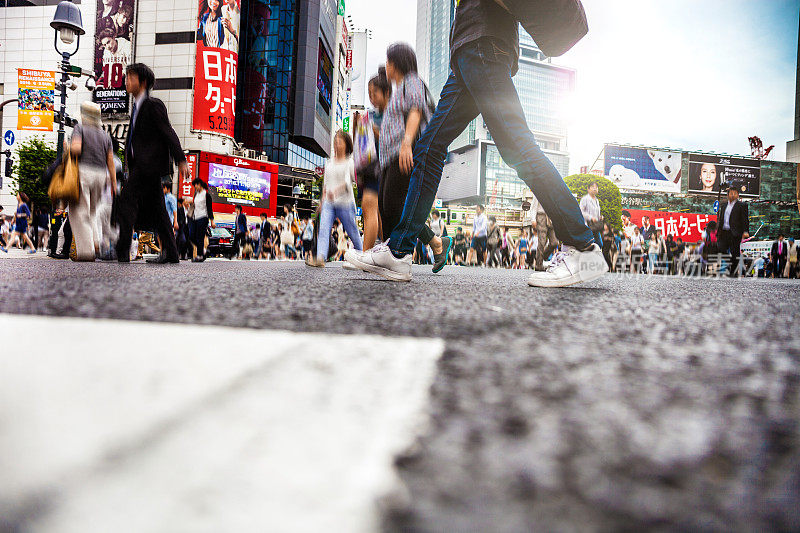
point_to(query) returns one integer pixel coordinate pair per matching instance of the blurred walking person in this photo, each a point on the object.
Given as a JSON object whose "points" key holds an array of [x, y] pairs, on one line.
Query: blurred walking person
{"points": [[202, 216], [484, 53], [406, 116], [734, 225], [150, 144], [20, 233], [590, 209], [337, 198]]}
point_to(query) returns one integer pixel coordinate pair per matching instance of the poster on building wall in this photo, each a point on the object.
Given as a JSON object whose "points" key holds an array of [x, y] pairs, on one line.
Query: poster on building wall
{"points": [[708, 172], [215, 66], [685, 226], [36, 96], [640, 169], [113, 51]]}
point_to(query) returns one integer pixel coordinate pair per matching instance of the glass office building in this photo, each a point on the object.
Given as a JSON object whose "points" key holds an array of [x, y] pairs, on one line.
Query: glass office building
{"points": [[265, 104], [542, 87]]}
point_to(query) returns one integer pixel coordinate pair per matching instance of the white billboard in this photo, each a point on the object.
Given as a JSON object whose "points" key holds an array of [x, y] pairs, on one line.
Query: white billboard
{"points": [[358, 72]]}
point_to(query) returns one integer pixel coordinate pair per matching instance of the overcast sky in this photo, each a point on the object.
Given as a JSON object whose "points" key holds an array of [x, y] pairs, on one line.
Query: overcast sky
{"points": [[696, 75]]}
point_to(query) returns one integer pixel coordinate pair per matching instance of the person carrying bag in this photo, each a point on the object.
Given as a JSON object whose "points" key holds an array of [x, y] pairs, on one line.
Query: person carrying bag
{"points": [[65, 184]]}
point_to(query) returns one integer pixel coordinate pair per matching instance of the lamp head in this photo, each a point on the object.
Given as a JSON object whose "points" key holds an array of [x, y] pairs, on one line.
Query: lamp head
{"points": [[67, 21]]}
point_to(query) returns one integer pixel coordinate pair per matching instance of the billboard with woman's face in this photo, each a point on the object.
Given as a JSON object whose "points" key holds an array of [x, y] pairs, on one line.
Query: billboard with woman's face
{"points": [[113, 51], [215, 66], [707, 173]]}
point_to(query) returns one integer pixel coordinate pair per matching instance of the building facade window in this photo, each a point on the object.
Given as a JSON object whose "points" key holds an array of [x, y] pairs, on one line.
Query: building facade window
{"points": [[265, 103]]}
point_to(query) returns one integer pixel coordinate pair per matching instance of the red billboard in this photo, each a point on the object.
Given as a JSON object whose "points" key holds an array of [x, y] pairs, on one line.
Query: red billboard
{"points": [[235, 181], [686, 226], [215, 66]]}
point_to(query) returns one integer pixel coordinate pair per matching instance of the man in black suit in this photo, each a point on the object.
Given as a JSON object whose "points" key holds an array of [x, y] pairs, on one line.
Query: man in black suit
{"points": [[150, 144], [733, 223], [779, 251]]}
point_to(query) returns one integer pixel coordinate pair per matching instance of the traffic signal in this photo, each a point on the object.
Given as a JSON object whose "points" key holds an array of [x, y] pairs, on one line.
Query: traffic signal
{"points": [[9, 166]]}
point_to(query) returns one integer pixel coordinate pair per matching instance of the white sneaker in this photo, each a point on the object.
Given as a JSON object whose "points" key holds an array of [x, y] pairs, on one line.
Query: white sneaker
{"points": [[379, 260], [570, 267], [348, 266]]}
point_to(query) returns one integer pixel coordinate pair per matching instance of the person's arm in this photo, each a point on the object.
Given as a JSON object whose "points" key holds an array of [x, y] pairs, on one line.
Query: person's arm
{"points": [[76, 144], [209, 209], [584, 205], [112, 172], [747, 216], [168, 136], [406, 151]]}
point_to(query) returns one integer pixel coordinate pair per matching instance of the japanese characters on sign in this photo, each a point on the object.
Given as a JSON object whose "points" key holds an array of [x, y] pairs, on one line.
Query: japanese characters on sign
{"points": [[233, 181], [685, 226], [36, 96], [186, 187], [113, 51], [708, 172], [215, 66]]}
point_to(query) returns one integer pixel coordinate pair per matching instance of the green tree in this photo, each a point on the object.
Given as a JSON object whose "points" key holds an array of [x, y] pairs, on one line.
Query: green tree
{"points": [[607, 194], [34, 156]]}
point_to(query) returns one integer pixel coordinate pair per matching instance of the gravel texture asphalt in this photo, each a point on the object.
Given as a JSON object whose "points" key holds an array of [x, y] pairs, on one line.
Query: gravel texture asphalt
{"points": [[633, 403]]}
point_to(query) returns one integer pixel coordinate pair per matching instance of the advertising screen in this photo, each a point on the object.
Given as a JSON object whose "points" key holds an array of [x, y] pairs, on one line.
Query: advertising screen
{"points": [[686, 226], [324, 77], [36, 98], [643, 170], [234, 181], [113, 51], [708, 172], [215, 66]]}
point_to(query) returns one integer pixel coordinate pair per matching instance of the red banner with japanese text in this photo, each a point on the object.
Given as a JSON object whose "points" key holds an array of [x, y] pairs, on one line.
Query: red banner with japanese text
{"points": [[685, 226], [215, 66], [186, 188]]}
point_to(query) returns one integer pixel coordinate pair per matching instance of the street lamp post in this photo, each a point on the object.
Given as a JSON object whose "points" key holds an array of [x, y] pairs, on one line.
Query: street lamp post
{"points": [[67, 23]]}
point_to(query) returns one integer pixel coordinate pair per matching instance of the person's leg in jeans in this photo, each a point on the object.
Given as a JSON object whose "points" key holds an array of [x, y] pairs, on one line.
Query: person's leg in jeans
{"points": [[347, 216], [455, 111], [482, 83], [326, 217]]}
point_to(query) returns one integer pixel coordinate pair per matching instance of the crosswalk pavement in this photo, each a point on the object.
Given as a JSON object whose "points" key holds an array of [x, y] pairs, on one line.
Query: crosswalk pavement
{"points": [[146, 427]]}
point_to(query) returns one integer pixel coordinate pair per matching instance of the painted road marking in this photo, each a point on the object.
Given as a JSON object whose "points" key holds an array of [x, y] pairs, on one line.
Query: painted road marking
{"points": [[127, 426]]}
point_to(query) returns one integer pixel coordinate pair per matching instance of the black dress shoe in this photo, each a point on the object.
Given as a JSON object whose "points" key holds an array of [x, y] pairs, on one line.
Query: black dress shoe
{"points": [[161, 260]]}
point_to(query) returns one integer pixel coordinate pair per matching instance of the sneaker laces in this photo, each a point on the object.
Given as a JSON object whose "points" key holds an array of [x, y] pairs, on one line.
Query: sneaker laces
{"points": [[558, 258], [380, 247]]}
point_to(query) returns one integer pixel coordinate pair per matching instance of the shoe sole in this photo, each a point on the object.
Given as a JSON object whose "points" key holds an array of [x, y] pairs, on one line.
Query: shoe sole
{"points": [[582, 277], [381, 271], [349, 266], [446, 255]]}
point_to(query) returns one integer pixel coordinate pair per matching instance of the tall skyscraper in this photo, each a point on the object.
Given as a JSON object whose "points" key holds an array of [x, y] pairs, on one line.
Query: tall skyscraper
{"points": [[793, 147], [543, 88]]}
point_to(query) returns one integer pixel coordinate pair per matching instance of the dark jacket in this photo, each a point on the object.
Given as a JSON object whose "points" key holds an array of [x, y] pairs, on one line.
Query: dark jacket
{"points": [[780, 256], [149, 153], [241, 224], [154, 144], [740, 218]]}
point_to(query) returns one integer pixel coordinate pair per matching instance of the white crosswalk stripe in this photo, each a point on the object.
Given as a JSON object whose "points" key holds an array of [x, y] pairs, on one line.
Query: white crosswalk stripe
{"points": [[143, 427]]}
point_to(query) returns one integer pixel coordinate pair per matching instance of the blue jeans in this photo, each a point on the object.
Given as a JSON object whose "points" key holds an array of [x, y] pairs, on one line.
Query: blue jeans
{"points": [[347, 216], [597, 237], [480, 82]]}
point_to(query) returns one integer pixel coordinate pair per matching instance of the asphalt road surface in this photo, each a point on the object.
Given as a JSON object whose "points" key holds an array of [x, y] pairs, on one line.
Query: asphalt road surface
{"points": [[635, 403]]}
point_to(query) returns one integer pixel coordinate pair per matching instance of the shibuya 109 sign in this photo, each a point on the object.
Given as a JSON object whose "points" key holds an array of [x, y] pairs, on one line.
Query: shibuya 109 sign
{"points": [[215, 66]]}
